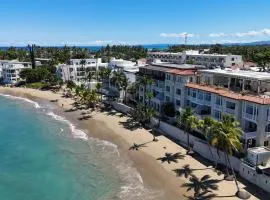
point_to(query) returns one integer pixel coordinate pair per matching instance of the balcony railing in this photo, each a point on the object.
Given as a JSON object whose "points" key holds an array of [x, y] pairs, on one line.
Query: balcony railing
{"points": [[230, 111], [249, 116]]}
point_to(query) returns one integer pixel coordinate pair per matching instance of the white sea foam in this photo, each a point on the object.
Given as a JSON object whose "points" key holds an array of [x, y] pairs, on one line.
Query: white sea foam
{"points": [[21, 98], [133, 186], [77, 133]]}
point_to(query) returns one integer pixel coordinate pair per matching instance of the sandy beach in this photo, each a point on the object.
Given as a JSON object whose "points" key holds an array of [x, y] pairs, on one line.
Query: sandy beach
{"points": [[109, 126]]}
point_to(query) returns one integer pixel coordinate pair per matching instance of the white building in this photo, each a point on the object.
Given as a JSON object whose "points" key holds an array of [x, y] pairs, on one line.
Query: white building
{"points": [[128, 67], [256, 167], [243, 94], [195, 57], [10, 70], [78, 69]]}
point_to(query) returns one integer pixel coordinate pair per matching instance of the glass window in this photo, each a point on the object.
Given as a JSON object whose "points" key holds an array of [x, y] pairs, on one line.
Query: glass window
{"points": [[249, 109], [167, 98], [217, 114], [177, 102], [218, 101], [178, 91], [230, 105], [168, 77], [168, 88], [207, 96], [200, 95]]}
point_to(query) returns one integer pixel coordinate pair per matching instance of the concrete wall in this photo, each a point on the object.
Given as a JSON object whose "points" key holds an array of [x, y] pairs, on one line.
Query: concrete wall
{"points": [[121, 107], [249, 173], [199, 146]]}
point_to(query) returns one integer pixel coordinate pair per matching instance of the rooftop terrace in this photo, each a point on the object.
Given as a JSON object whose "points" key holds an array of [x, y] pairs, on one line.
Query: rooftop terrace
{"points": [[239, 74], [260, 99]]}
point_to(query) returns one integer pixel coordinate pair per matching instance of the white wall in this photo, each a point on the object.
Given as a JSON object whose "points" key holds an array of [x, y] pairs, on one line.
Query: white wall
{"points": [[249, 173]]}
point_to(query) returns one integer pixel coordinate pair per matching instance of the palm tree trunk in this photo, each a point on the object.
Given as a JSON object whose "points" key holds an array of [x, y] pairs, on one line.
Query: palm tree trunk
{"points": [[226, 161], [235, 180]]}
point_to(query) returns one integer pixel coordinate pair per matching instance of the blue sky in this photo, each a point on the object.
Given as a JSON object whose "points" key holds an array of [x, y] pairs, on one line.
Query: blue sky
{"points": [[95, 22]]}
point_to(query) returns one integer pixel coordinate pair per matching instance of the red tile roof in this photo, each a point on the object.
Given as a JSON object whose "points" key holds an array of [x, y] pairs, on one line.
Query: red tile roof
{"points": [[183, 72], [230, 94]]}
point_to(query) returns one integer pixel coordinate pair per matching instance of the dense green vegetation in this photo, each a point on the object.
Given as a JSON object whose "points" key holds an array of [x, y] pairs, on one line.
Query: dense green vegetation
{"points": [[44, 74], [124, 52]]}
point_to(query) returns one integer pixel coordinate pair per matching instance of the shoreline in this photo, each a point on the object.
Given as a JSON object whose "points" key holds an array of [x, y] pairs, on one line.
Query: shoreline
{"points": [[153, 175], [108, 127]]}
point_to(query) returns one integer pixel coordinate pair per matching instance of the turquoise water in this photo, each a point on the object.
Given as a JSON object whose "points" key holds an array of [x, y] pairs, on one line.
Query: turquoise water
{"points": [[44, 157]]}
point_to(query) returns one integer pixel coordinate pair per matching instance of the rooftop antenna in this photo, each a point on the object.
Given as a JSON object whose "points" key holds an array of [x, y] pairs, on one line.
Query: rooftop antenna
{"points": [[186, 36]]}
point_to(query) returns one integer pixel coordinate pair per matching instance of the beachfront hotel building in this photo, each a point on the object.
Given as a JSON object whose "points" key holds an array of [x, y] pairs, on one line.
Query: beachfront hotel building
{"points": [[213, 92], [10, 71], [197, 58], [77, 70]]}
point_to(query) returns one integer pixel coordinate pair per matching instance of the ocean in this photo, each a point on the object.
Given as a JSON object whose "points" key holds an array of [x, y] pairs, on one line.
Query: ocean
{"points": [[44, 156]]}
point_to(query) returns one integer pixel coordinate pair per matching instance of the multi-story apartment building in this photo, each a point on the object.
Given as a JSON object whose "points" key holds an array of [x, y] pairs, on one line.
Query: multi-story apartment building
{"points": [[168, 83], [243, 94], [77, 70], [213, 92], [10, 70], [195, 57]]}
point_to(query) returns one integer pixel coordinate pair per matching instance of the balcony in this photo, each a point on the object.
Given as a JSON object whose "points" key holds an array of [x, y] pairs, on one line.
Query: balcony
{"points": [[218, 107], [230, 111], [249, 116]]}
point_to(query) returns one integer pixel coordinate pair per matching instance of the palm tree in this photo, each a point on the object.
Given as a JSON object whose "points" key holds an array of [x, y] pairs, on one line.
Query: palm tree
{"points": [[206, 126], [226, 138], [98, 88], [145, 81], [120, 80], [124, 86], [201, 185], [189, 122]]}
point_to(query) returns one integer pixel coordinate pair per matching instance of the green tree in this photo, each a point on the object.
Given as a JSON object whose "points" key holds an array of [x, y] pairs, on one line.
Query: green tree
{"points": [[188, 122], [226, 138]]}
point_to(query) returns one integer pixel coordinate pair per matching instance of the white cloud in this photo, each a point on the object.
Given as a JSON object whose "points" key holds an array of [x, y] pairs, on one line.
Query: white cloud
{"points": [[177, 35], [251, 33], [103, 41], [218, 35]]}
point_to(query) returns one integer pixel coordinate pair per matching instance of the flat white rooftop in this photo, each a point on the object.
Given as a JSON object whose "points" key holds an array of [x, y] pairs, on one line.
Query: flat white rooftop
{"points": [[259, 150], [177, 66], [239, 73]]}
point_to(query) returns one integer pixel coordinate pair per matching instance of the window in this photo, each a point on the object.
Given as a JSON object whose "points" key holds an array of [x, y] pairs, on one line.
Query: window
{"points": [[230, 105], [193, 93], [168, 77], [178, 79], [249, 109], [178, 91], [266, 143], [177, 102], [218, 101], [207, 96], [200, 95], [232, 59], [168, 89], [167, 98], [217, 115]]}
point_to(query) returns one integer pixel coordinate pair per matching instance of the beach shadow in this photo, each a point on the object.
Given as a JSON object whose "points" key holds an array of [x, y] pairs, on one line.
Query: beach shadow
{"points": [[186, 171], [171, 157], [130, 124], [54, 100], [137, 147], [71, 110], [203, 196], [85, 117]]}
